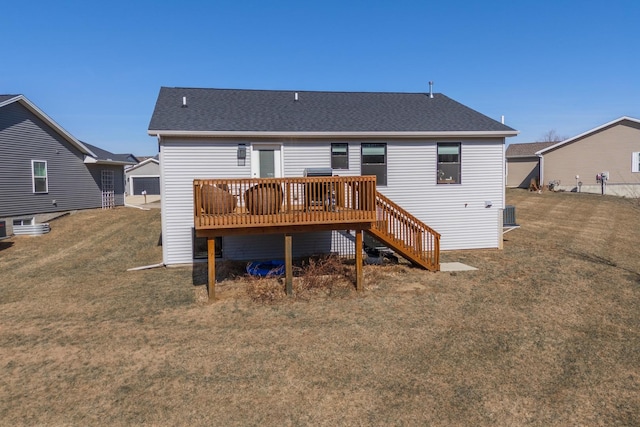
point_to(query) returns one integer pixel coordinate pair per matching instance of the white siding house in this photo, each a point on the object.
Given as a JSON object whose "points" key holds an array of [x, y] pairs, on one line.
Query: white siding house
{"points": [[202, 133]]}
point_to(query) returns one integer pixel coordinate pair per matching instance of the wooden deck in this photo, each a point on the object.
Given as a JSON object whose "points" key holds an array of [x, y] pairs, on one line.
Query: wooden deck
{"points": [[292, 205], [224, 205]]}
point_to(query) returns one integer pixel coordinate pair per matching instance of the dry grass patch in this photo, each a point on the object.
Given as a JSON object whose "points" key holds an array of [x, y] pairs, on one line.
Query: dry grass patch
{"points": [[316, 277], [546, 332], [265, 289]]}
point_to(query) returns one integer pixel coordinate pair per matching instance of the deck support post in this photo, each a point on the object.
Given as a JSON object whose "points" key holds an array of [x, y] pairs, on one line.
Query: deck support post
{"points": [[288, 264], [359, 278], [211, 264]]}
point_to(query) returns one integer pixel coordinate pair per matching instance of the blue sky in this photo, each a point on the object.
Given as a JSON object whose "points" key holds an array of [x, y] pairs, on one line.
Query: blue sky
{"points": [[96, 68]]}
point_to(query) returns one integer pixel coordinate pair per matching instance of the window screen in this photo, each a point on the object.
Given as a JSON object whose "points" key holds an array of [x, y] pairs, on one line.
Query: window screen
{"points": [[339, 156], [374, 161], [449, 163]]}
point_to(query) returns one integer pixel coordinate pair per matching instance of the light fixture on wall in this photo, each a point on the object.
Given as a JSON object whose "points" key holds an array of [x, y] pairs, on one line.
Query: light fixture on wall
{"points": [[242, 154]]}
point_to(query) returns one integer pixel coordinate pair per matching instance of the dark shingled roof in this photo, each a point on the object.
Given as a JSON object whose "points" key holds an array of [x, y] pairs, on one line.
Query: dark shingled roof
{"points": [[143, 158], [278, 111], [6, 97], [526, 149], [105, 155]]}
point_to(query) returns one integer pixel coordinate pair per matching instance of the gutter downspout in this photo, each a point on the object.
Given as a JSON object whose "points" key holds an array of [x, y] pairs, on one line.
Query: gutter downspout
{"points": [[146, 267], [504, 197], [163, 202], [127, 205], [541, 170]]}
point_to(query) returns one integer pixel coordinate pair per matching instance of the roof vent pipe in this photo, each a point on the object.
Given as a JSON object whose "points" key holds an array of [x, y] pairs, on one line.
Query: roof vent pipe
{"points": [[430, 89], [295, 96], [184, 101], [502, 119]]}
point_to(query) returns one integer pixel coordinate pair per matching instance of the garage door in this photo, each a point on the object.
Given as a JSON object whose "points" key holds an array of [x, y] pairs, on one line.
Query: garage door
{"points": [[150, 184]]}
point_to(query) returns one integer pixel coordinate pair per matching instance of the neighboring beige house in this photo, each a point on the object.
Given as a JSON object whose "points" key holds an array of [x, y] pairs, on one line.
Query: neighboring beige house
{"points": [[523, 164], [612, 149]]}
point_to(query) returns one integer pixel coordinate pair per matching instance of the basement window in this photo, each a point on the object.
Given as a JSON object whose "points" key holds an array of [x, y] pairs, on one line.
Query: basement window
{"points": [[200, 246], [24, 221], [449, 163]]}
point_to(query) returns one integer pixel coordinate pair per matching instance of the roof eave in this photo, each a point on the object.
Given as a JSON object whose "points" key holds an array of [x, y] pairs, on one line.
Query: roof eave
{"points": [[10, 100], [389, 134], [144, 162], [521, 156], [596, 129], [95, 161]]}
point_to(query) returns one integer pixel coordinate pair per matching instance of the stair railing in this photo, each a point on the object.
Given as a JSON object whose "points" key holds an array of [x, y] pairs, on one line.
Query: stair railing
{"points": [[407, 233]]}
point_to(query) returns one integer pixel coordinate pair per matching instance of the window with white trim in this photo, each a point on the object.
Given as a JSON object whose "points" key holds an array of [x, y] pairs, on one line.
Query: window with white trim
{"points": [[449, 163], [24, 221], [39, 176], [635, 162]]}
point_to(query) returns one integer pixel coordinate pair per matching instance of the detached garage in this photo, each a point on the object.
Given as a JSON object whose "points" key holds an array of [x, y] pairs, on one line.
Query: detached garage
{"points": [[145, 176], [150, 184], [523, 164]]}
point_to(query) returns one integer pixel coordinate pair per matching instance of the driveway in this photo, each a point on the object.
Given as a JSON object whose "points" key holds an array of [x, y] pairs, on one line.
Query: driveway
{"points": [[152, 201]]}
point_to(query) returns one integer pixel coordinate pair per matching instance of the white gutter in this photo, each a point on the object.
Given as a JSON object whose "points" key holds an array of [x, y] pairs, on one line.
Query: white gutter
{"points": [[522, 156], [268, 134], [93, 160]]}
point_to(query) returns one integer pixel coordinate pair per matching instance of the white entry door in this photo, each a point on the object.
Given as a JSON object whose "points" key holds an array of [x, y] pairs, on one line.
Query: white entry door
{"points": [[266, 161]]}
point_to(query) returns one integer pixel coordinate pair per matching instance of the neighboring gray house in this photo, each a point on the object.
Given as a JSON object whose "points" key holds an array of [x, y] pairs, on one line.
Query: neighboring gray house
{"points": [[436, 158], [523, 164], [612, 148], [45, 170], [145, 176]]}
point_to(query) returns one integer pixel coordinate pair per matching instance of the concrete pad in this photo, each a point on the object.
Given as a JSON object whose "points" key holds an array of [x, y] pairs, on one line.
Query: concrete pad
{"points": [[455, 266], [152, 201]]}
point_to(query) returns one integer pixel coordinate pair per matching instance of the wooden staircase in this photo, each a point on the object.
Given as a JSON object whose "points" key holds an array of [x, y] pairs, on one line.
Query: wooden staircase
{"points": [[406, 234]]}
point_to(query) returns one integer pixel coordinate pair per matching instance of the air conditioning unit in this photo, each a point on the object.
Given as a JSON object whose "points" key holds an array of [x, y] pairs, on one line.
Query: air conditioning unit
{"points": [[321, 194], [509, 216], [318, 172]]}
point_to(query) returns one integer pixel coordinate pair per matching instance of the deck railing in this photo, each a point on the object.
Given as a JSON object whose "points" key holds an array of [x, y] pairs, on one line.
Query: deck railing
{"points": [[406, 234], [265, 202]]}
